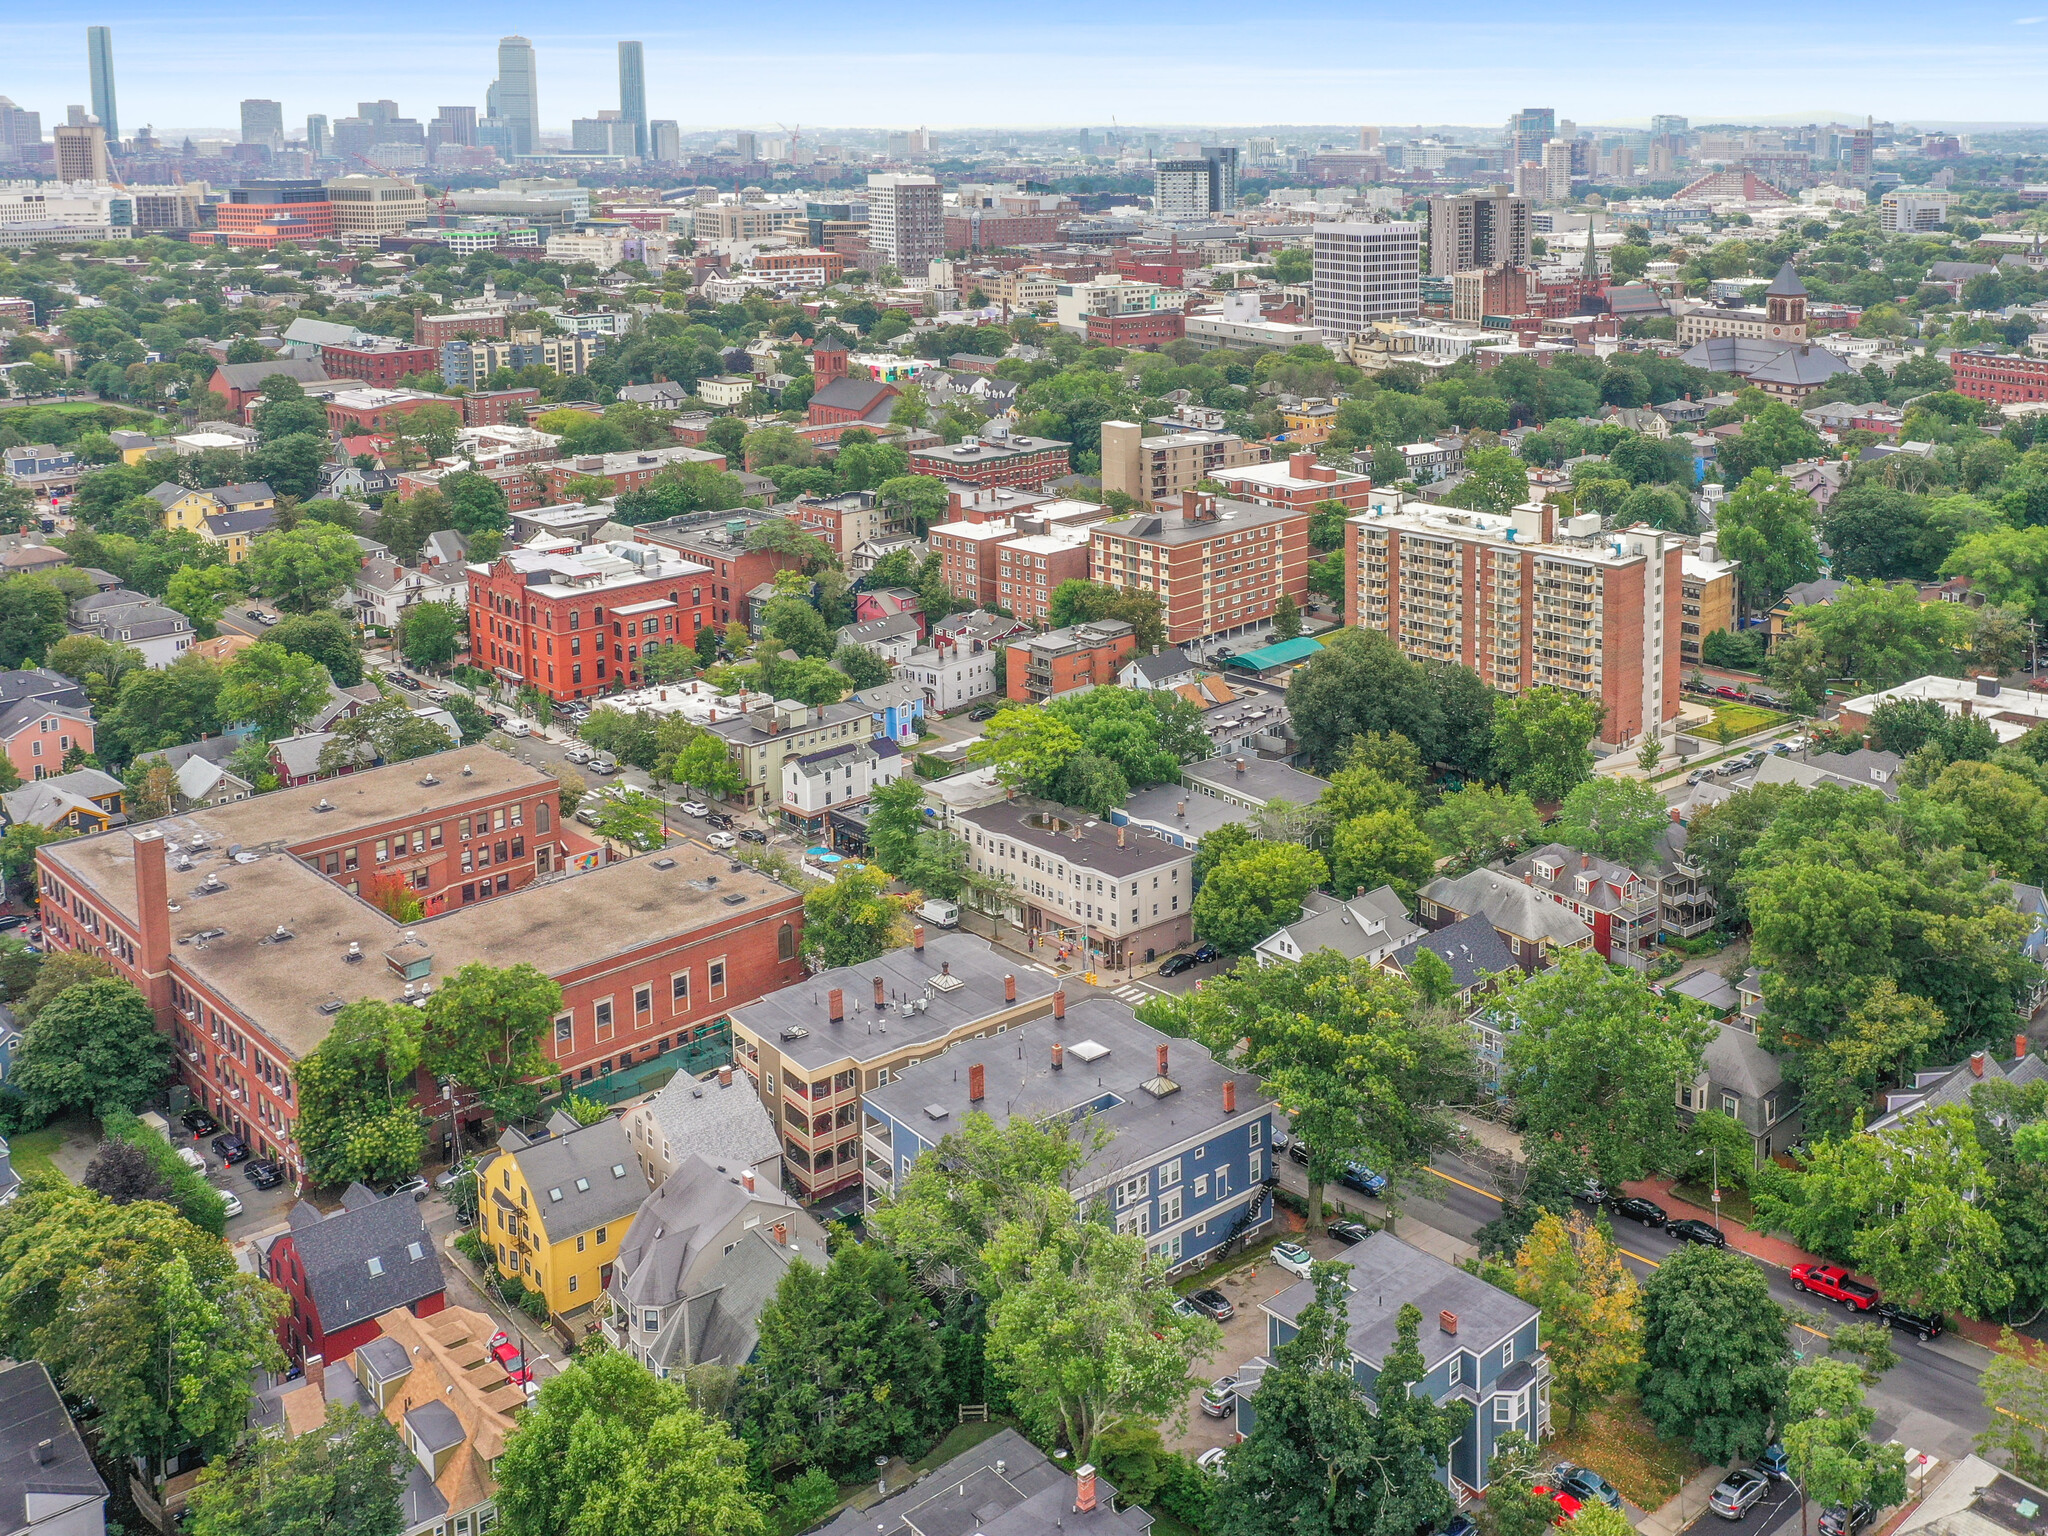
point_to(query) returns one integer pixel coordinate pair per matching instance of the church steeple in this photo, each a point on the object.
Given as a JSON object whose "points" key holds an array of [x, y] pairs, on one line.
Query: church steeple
{"points": [[1785, 299], [1591, 269]]}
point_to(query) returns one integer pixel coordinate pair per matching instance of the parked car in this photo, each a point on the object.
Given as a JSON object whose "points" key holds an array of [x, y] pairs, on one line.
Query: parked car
{"points": [[1635, 1208], [416, 1187], [1298, 1150], [1928, 1325], [1775, 1464], [1763, 700], [1349, 1231], [721, 840], [264, 1175], [1361, 1178], [985, 712], [1698, 776], [1211, 1461], [1173, 965], [694, 807], [753, 835], [576, 752], [230, 1149], [455, 1175], [198, 1121], [231, 1200], [1735, 1493], [1836, 1284], [719, 820], [196, 1161], [1725, 692], [401, 680], [603, 762], [506, 1353], [516, 728], [1185, 1307], [11, 920], [1207, 953], [1838, 1521], [1586, 1485], [1293, 1258], [1213, 1303], [1219, 1398], [1568, 1505], [1692, 1230], [1461, 1525], [1593, 1192], [439, 695]]}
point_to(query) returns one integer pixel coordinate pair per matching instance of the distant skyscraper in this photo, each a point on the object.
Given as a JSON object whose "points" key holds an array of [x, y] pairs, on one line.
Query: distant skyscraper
{"points": [[905, 220], [99, 59], [1666, 122], [1183, 189], [1478, 229], [1223, 184], [633, 94], [1557, 171], [1528, 131], [18, 130], [263, 123], [81, 152], [454, 125], [745, 144], [664, 141], [1365, 273], [379, 112], [517, 98]]}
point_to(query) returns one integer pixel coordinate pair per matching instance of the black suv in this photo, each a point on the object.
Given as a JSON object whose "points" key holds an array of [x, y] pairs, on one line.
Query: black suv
{"points": [[1928, 1325], [1694, 1231], [198, 1121], [264, 1175], [231, 1149], [1175, 964]]}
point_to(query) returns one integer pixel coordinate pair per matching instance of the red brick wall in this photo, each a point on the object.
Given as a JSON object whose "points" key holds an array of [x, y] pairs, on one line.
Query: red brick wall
{"points": [[1138, 330], [2001, 380], [498, 407], [383, 368], [567, 647], [432, 330]]}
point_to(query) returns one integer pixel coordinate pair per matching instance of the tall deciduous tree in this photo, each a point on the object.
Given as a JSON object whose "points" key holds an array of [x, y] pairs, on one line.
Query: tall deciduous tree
{"points": [[1382, 848], [95, 1047], [485, 1029], [1542, 742], [344, 1480], [608, 1446], [1591, 1331], [272, 689], [1767, 524], [1477, 823], [429, 634], [1256, 895], [851, 919], [356, 1116], [1613, 818], [304, 569], [1592, 1059], [2016, 1393], [1716, 1350], [1827, 1439]]}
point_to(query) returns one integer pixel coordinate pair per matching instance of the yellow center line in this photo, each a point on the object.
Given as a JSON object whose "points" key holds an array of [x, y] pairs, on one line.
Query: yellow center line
{"points": [[1627, 1253]]}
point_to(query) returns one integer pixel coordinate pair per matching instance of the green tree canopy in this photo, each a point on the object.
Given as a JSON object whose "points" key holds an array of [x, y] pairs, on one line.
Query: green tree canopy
{"points": [[92, 1048], [271, 689], [1768, 525], [1716, 1350], [1542, 741], [344, 1479], [1613, 818], [303, 569], [851, 919], [1256, 894], [484, 1029]]}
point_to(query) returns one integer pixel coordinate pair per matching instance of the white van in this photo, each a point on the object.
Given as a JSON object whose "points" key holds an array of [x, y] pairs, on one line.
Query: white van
{"points": [[517, 728], [940, 914]]}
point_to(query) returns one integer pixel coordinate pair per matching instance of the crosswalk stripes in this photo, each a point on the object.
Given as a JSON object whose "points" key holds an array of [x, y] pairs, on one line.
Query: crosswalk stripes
{"points": [[1134, 993]]}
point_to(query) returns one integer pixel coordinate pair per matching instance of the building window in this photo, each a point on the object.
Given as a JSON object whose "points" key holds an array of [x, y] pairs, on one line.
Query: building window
{"points": [[579, 1242], [573, 1282], [717, 978], [1730, 1104], [643, 1004], [1454, 1371], [1503, 1410], [565, 1030], [1169, 1174], [1507, 1354], [603, 1018], [679, 990]]}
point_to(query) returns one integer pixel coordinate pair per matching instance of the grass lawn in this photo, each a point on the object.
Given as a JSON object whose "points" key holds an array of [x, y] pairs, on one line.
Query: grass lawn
{"points": [[1256, 1254], [964, 1438], [1743, 720], [1165, 1525], [1735, 1205], [1616, 1441], [31, 1150]]}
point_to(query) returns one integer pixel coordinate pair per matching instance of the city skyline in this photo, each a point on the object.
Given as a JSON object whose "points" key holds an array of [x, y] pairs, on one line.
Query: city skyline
{"points": [[188, 74]]}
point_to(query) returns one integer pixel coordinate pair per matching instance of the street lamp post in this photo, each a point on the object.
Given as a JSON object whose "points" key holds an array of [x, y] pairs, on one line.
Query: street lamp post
{"points": [[1716, 1152]]}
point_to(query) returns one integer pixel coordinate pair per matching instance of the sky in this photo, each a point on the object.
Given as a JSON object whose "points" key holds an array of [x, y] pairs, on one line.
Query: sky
{"points": [[1061, 62]]}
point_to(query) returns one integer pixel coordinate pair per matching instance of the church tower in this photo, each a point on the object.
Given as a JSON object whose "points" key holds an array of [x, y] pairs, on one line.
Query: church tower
{"points": [[1785, 305]]}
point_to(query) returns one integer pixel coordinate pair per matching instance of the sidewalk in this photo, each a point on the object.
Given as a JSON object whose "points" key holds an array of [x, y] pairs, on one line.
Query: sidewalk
{"points": [[1691, 1503], [1774, 1251]]}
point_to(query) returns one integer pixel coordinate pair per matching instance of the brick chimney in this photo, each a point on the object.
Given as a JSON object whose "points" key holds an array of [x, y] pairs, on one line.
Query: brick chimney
{"points": [[1299, 464], [725, 1075], [976, 1081], [835, 1001], [1448, 1321], [316, 1373], [1119, 837], [2019, 1049], [1162, 1061], [1084, 1488], [747, 1180], [881, 993], [917, 938], [1009, 988], [1230, 1095], [153, 915], [1976, 1063], [1059, 1057], [1059, 1003]]}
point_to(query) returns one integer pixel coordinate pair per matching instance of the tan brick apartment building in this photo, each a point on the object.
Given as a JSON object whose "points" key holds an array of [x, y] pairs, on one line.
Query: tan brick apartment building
{"points": [[243, 925], [1158, 469], [810, 1050], [1301, 481], [1526, 602], [1216, 565]]}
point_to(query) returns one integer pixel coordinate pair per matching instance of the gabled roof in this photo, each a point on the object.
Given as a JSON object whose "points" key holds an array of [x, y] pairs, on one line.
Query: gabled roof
{"points": [[1375, 922], [579, 1179], [39, 683], [724, 1122], [663, 1255], [1472, 947], [223, 524], [1737, 1060], [1508, 904], [246, 376], [27, 711], [869, 398], [1005, 1486], [365, 1259], [38, 1486]]}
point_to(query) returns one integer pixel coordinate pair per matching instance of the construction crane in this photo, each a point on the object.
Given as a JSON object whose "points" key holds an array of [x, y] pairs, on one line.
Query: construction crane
{"points": [[796, 137]]}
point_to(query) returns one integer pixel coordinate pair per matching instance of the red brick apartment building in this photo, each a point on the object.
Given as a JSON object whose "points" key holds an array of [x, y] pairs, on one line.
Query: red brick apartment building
{"points": [[498, 407], [995, 460], [524, 486], [1217, 565], [1030, 568], [1153, 328], [624, 472], [1527, 601], [718, 542], [1045, 666], [1302, 481], [576, 625], [358, 411], [2001, 378], [243, 925], [380, 362], [432, 330]]}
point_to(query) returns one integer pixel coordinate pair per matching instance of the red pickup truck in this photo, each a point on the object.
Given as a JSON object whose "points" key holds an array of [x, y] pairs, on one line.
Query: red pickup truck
{"points": [[1835, 1283]]}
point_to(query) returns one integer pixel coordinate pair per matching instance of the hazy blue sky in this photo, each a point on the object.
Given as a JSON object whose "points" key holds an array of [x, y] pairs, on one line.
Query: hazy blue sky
{"points": [[183, 66]]}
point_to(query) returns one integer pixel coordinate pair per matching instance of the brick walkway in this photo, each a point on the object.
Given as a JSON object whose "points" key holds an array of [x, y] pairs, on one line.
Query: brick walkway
{"points": [[1774, 1251]]}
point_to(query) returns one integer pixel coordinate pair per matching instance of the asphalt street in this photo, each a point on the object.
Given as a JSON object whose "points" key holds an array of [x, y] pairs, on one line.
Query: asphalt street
{"points": [[1930, 1401]]}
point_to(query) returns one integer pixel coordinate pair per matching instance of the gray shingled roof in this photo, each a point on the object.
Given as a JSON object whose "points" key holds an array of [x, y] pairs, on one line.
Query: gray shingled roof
{"points": [[1508, 904], [1471, 947], [1736, 1059], [253, 375], [581, 1179], [1030, 1496], [337, 1252], [1786, 284], [727, 1124], [31, 1413]]}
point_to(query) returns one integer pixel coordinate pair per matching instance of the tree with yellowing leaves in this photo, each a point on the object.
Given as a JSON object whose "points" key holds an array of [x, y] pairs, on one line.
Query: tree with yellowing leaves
{"points": [[1591, 1329]]}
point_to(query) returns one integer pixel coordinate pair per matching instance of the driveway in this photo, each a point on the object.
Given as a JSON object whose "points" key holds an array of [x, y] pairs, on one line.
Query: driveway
{"points": [[1244, 1336]]}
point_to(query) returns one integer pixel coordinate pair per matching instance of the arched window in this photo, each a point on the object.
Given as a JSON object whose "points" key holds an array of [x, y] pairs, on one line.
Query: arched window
{"points": [[785, 942]]}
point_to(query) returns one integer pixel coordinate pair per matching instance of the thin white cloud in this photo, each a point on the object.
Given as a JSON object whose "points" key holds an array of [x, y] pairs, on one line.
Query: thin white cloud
{"points": [[2028, 21]]}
